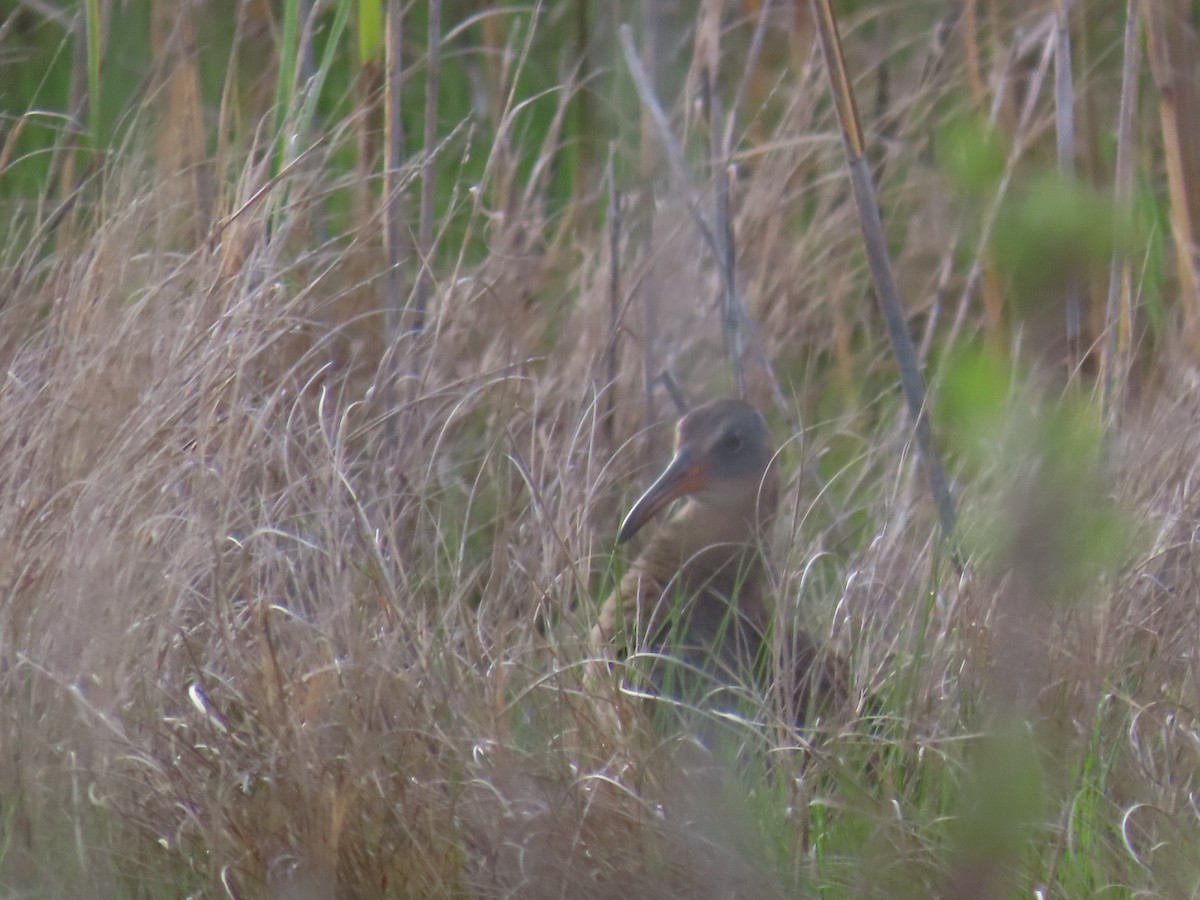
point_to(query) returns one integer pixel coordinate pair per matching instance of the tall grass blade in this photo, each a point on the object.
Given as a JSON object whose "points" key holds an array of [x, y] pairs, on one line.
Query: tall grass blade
{"points": [[886, 291], [1118, 310], [95, 56]]}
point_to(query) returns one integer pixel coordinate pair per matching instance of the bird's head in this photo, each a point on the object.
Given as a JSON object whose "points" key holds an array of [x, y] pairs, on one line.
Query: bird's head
{"points": [[722, 451]]}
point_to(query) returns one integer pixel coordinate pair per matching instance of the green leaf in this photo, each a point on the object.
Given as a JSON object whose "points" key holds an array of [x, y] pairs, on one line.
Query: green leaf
{"points": [[971, 154], [1057, 228], [370, 31]]}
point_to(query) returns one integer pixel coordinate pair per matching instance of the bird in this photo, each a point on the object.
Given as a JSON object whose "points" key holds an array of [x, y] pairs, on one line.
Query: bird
{"points": [[696, 599]]}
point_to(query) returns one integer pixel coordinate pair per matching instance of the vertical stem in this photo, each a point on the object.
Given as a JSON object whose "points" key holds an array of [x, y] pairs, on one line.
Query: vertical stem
{"points": [[614, 302], [886, 291], [1118, 313], [723, 234], [95, 41], [393, 204], [647, 164], [1170, 46], [1064, 113], [584, 162], [428, 173]]}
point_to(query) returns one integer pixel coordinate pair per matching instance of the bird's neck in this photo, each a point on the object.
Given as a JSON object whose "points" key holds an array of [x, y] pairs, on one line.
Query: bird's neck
{"points": [[716, 549]]}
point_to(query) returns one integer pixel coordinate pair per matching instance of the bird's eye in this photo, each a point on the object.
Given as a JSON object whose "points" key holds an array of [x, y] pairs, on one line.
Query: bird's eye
{"points": [[732, 442]]}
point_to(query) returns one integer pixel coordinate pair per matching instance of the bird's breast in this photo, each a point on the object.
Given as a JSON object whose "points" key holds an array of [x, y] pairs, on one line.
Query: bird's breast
{"points": [[699, 589]]}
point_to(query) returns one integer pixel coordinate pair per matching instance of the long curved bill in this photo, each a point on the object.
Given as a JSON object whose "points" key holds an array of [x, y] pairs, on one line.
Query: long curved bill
{"points": [[682, 477]]}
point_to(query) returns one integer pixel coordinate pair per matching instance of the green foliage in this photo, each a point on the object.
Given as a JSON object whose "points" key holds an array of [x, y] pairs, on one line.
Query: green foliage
{"points": [[94, 54], [36, 77], [1054, 228], [975, 393], [1042, 461], [370, 31], [972, 154], [1148, 257], [1002, 804]]}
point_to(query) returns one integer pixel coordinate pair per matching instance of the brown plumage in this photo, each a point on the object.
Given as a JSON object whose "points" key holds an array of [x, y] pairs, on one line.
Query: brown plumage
{"points": [[697, 594]]}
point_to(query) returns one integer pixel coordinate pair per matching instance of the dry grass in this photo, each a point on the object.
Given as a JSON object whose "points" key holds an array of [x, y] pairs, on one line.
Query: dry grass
{"points": [[250, 645]]}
